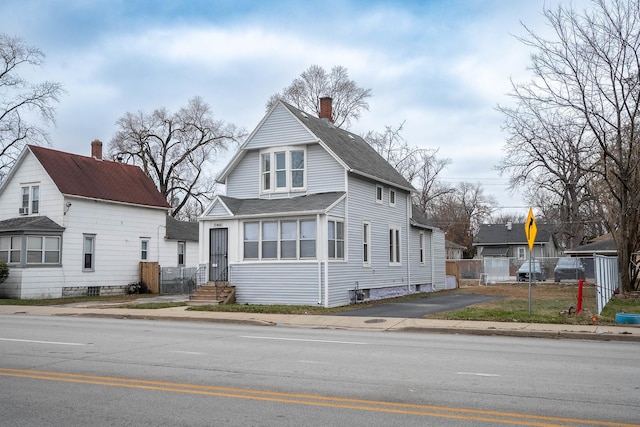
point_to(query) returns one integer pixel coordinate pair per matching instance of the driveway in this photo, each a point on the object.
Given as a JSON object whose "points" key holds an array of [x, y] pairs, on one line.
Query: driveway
{"points": [[415, 309]]}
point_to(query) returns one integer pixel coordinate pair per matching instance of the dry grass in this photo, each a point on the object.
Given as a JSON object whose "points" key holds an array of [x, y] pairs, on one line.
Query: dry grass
{"points": [[550, 303]]}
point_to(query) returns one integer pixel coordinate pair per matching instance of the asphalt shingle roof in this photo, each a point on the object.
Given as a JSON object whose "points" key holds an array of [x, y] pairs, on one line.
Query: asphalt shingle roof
{"points": [[181, 230], [354, 151], [84, 176], [30, 223], [308, 204], [500, 234]]}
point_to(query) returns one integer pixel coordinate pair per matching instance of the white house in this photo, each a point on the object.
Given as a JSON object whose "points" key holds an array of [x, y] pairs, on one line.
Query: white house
{"points": [[78, 225], [314, 216]]}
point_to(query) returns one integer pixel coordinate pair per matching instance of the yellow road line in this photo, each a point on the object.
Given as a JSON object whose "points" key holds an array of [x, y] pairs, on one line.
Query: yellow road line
{"points": [[314, 400]]}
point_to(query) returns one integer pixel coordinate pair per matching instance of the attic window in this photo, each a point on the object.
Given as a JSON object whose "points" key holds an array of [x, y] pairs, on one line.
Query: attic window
{"points": [[283, 170]]}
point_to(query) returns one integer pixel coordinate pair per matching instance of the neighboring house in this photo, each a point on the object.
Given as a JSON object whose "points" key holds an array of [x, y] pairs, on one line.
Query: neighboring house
{"points": [[77, 225], [179, 247], [314, 216], [509, 240], [603, 245], [454, 250]]}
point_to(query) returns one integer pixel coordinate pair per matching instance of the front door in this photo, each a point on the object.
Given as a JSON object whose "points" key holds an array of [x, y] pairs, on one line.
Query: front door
{"points": [[218, 254]]}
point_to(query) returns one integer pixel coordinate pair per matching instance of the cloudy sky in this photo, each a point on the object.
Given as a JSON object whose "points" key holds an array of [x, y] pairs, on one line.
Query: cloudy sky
{"points": [[440, 65]]}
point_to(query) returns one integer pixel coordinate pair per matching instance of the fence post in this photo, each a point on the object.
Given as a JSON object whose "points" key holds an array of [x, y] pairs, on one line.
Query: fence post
{"points": [[580, 285]]}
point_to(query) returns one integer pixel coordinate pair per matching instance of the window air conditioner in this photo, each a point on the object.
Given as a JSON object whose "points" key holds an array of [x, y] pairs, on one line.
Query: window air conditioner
{"points": [[23, 211]]}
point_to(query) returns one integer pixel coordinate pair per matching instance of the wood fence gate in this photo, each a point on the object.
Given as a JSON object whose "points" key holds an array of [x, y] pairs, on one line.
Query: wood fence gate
{"points": [[150, 276]]}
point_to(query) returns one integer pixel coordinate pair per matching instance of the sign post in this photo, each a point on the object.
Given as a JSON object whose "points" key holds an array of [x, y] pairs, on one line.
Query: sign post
{"points": [[530, 230]]}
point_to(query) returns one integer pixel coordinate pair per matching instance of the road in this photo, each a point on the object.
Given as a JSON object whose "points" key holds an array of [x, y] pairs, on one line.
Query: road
{"points": [[116, 372]]}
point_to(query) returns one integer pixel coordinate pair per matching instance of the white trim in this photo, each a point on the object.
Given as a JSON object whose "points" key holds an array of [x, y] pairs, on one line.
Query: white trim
{"points": [[366, 240]]}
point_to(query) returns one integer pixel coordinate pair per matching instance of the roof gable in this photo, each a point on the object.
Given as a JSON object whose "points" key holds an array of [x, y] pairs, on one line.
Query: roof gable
{"points": [[351, 150], [83, 176]]}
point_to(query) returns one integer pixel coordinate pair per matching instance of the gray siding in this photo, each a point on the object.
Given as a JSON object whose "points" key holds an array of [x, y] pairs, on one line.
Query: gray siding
{"points": [[324, 173], [244, 181], [362, 206], [292, 283], [339, 210], [280, 128], [218, 210], [421, 274], [439, 258]]}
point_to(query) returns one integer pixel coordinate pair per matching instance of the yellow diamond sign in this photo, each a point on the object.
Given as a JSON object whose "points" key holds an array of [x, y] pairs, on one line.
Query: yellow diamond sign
{"points": [[530, 229]]}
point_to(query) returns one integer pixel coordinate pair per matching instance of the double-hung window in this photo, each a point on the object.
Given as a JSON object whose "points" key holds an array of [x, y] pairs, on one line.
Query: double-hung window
{"points": [[282, 169], [336, 240], [392, 197], [10, 249], [30, 199], [366, 244], [181, 250], [89, 252], [43, 250], [394, 245], [421, 249], [288, 239], [144, 249]]}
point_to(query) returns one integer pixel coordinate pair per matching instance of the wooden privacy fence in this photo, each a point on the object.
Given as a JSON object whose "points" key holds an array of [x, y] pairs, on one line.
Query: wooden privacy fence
{"points": [[150, 276]]}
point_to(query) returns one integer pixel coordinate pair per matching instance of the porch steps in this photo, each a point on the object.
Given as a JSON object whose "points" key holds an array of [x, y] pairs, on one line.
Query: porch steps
{"points": [[213, 293]]}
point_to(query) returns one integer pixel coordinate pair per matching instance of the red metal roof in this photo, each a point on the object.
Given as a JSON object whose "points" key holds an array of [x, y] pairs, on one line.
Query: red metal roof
{"points": [[84, 176]]}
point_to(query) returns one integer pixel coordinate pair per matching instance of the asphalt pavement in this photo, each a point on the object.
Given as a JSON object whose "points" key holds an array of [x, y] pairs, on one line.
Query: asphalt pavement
{"points": [[420, 307], [383, 320]]}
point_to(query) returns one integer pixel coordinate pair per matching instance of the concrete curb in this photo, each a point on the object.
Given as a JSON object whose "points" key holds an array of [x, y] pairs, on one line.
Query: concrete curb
{"points": [[628, 333]]}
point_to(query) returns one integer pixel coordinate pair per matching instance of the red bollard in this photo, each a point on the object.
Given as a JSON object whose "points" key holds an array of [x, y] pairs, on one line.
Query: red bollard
{"points": [[580, 283]]}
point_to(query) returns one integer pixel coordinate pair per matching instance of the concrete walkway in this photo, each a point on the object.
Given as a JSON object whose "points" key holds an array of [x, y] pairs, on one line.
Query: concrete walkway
{"points": [[591, 332]]}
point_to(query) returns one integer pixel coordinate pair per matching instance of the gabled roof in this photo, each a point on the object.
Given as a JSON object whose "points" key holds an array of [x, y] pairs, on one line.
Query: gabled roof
{"points": [[349, 149], [181, 230], [503, 234], [359, 157], [30, 223], [83, 176], [302, 205]]}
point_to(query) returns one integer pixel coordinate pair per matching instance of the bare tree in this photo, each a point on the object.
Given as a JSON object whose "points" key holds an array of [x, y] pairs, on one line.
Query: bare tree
{"points": [[460, 213], [19, 99], [420, 166], [314, 83], [550, 156], [174, 150], [589, 75]]}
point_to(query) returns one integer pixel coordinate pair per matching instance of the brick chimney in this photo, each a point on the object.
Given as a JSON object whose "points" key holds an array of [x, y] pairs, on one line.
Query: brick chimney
{"points": [[325, 108], [96, 149]]}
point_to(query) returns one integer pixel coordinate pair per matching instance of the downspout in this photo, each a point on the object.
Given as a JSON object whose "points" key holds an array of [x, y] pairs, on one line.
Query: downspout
{"points": [[325, 255], [408, 203], [319, 264], [433, 261]]}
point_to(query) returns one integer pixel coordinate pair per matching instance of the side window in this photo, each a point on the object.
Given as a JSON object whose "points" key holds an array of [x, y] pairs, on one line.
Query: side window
{"points": [[522, 254], [144, 249], [392, 197], [366, 244], [378, 194], [88, 252], [30, 199], [394, 245], [266, 171], [297, 169], [421, 240], [251, 239], [336, 240], [181, 248]]}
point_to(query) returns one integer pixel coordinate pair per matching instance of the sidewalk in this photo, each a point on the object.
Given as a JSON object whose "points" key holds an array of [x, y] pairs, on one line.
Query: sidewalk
{"points": [[539, 330]]}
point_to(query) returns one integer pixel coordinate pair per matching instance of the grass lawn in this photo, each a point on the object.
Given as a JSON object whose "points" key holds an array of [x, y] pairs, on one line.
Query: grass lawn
{"points": [[550, 303]]}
